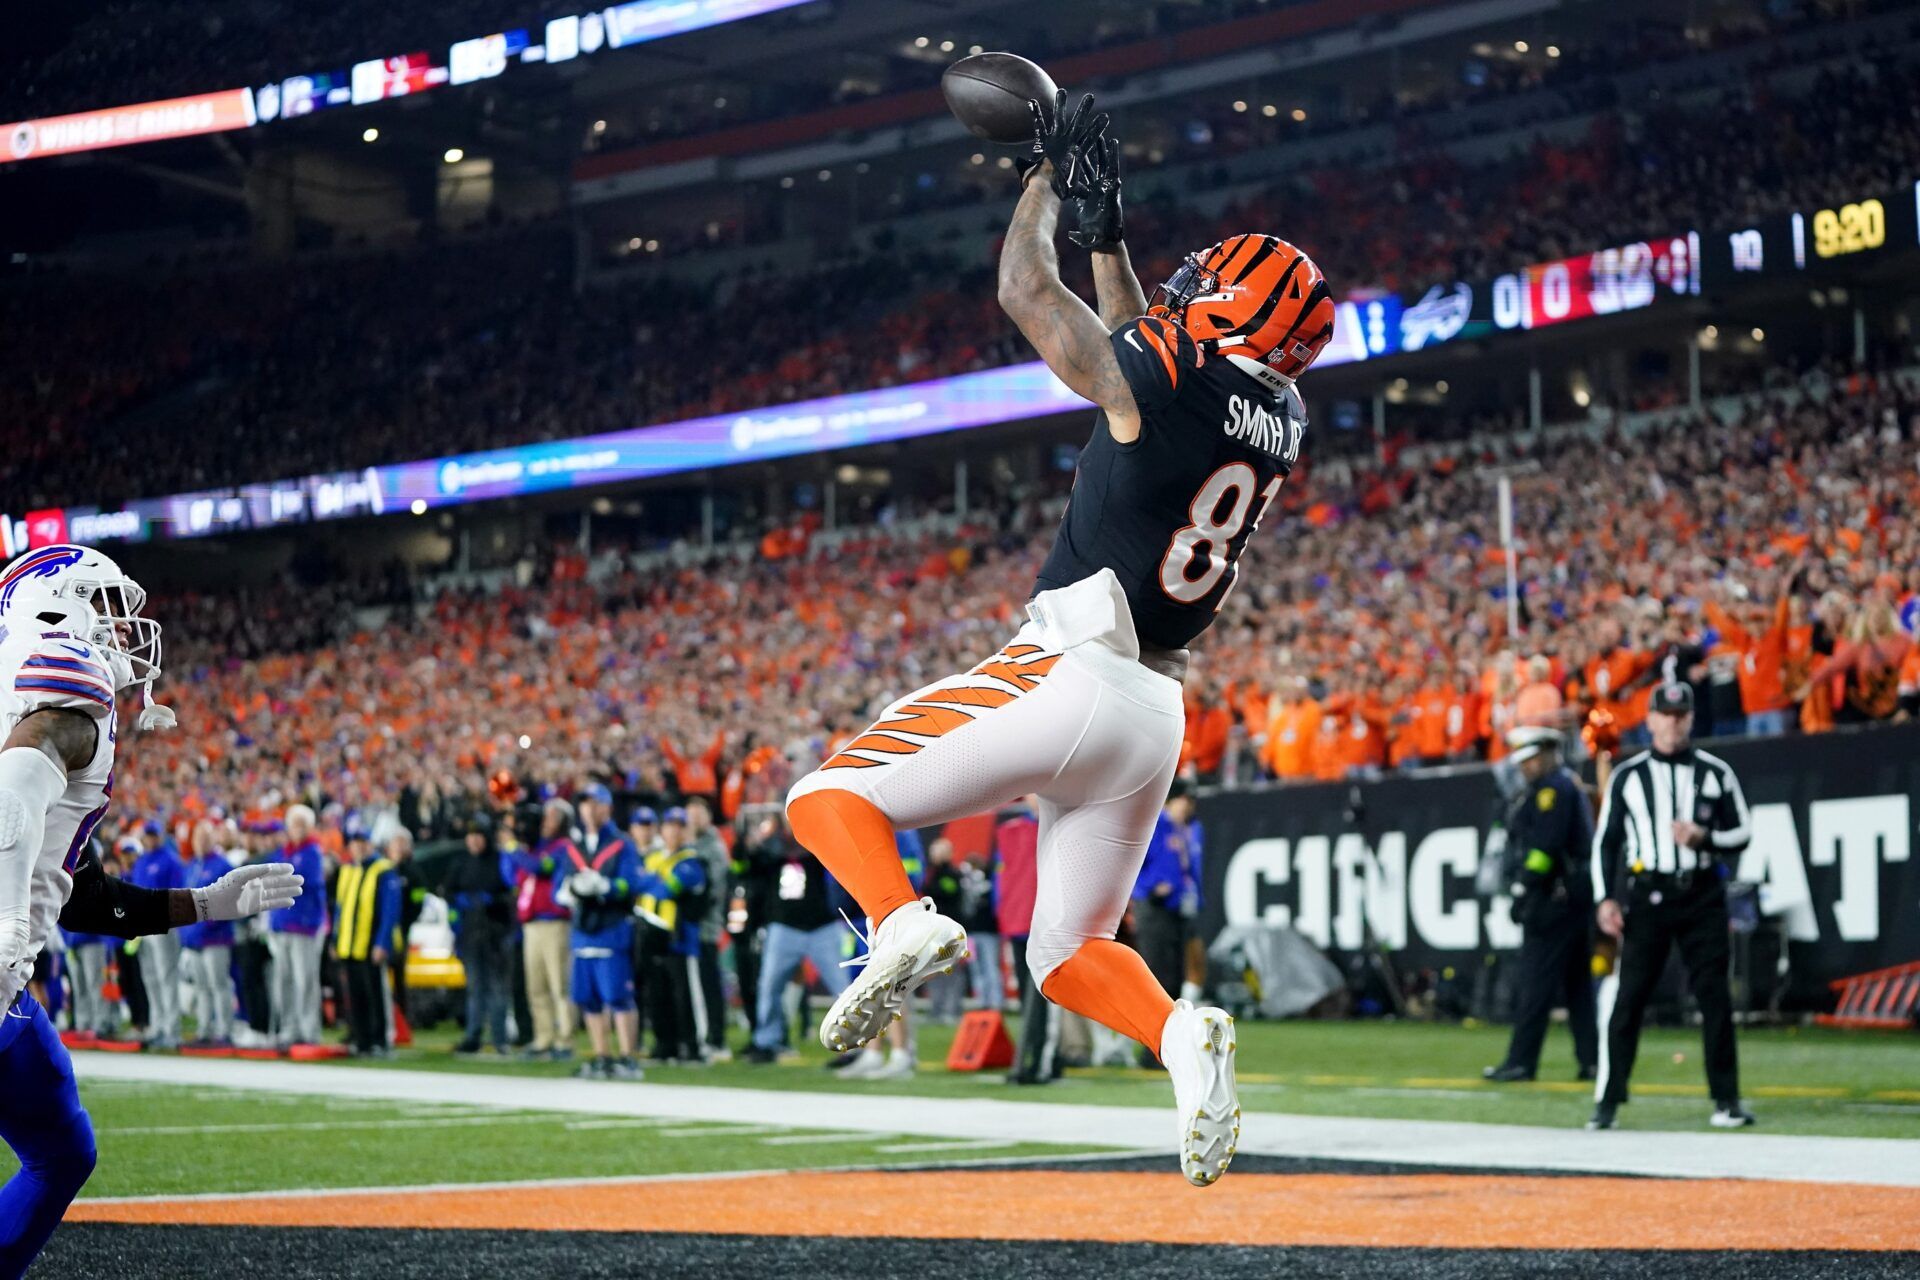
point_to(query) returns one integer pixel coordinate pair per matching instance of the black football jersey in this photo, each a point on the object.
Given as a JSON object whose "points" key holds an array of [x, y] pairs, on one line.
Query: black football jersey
{"points": [[1171, 512]]}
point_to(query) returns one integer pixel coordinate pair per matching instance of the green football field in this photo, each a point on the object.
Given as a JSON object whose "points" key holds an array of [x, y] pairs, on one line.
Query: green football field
{"points": [[174, 1139], [167, 1139], [1799, 1080]]}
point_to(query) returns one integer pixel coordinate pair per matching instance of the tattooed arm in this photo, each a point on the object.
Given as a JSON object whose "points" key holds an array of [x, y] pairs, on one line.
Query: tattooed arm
{"points": [[1072, 340], [1115, 288]]}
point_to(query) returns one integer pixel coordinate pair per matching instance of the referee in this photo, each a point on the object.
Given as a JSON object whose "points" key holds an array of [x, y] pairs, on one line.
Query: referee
{"points": [[1669, 818]]}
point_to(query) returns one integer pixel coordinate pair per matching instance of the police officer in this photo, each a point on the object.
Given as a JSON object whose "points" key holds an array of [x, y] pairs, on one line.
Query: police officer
{"points": [[1670, 819], [1550, 833]]}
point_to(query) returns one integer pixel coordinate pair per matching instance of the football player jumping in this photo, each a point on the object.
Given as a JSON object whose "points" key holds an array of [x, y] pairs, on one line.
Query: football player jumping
{"points": [[1199, 424], [71, 639]]}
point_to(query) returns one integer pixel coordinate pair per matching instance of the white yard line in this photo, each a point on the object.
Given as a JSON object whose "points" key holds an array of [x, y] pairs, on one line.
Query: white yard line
{"points": [[1780, 1157], [802, 1139], [318, 1126], [963, 1144]]}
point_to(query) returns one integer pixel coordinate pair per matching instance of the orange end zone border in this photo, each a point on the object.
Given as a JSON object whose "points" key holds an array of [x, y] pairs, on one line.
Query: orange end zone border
{"points": [[1389, 1210]]}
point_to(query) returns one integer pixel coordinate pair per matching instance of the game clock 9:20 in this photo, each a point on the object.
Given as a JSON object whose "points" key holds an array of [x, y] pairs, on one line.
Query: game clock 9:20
{"points": [[1852, 228]]}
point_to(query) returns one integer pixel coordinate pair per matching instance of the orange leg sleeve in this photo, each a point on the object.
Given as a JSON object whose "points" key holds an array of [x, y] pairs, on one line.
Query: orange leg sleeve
{"points": [[1112, 985], [854, 841]]}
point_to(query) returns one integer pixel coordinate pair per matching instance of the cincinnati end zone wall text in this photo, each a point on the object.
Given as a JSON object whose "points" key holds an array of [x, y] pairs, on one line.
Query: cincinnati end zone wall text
{"points": [[1833, 819]]}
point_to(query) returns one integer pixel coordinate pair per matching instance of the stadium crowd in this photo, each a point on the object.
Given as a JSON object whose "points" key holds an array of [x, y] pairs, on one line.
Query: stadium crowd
{"points": [[461, 345], [1766, 554], [1769, 557]]}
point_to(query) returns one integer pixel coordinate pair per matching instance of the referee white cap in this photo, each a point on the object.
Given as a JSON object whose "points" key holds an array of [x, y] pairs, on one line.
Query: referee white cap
{"points": [[1528, 742]]}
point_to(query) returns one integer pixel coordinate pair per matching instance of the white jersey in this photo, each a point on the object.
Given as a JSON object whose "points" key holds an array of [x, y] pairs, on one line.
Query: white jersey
{"points": [[52, 669]]}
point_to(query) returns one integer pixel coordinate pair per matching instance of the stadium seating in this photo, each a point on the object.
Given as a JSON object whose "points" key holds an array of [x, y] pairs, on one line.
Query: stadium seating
{"points": [[472, 344], [1376, 587]]}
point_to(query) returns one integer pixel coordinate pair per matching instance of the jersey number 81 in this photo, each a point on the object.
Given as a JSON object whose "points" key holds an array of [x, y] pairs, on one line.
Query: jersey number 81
{"points": [[1232, 485]]}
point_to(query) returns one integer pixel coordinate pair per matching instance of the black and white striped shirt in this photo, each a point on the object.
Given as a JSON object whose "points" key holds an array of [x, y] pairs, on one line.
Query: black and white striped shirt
{"points": [[1648, 792]]}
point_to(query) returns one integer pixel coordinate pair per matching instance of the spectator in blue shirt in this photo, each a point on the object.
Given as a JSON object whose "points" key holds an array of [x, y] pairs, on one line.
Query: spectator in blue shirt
{"points": [[602, 877], [208, 945], [160, 866], [294, 936], [1166, 897]]}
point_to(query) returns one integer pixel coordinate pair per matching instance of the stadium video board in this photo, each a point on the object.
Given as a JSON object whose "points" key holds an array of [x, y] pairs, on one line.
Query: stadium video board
{"points": [[560, 39], [1613, 281]]}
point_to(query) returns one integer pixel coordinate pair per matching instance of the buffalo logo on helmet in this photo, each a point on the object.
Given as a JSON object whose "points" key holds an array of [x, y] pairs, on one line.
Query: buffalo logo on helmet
{"points": [[1253, 295]]}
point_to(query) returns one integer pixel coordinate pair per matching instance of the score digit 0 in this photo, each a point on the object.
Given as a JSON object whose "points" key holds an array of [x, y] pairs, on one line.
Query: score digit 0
{"points": [[1852, 228]]}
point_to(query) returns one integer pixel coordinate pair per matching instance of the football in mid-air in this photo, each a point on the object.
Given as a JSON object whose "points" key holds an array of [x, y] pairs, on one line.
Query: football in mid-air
{"points": [[989, 92]]}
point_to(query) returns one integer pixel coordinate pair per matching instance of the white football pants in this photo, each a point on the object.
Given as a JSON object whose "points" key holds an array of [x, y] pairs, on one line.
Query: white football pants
{"points": [[1065, 712]]}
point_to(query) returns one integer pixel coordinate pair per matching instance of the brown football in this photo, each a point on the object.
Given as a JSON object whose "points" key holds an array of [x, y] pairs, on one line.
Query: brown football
{"points": [[989, 92]]}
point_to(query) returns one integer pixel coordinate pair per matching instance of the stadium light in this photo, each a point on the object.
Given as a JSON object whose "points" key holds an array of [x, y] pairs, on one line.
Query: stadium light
{"points": [[786, 183], [1553, 51], [599, 126], [978, 158], [1299, 115], [1239, 104], [453, 155], [653, 246], [1269, 111], [976, 48], [1520, 46], [826, 175], [946, 46], [1759, 335], [369, 135], [921, 42], [418, 506]]}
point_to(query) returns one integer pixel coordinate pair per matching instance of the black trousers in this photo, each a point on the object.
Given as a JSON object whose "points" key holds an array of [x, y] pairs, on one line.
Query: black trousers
{"points": [[1038, 1056], [1660, 917], [712, 994], [255, 999], [1160, 936], [746, 967], [366, 1003], [665, 995], [1555, 967]]}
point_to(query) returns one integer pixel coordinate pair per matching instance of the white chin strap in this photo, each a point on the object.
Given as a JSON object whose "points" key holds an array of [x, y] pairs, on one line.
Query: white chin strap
{"points": [[1259, 369]]}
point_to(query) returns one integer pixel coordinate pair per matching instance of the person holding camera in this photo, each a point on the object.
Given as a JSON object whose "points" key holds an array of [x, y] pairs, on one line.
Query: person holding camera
{"points": [[1671, 817], [1549, 832]]}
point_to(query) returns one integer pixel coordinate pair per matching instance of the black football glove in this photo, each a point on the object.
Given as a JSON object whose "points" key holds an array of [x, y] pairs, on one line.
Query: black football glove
{"points": [[1093, 189], [1060, 138]]}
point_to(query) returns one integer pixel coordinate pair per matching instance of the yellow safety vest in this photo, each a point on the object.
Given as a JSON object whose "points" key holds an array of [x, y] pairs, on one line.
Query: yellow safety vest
{"points": [[355, 897], [663, 910]]}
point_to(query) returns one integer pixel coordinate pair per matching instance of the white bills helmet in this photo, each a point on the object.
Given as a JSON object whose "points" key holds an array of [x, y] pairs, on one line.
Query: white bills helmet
{"points": [[45, 581]]}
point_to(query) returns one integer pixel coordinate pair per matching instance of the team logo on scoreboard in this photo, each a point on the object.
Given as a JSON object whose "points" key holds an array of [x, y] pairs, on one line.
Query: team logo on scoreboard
{"points": [[24, 138], [1440, 315]]}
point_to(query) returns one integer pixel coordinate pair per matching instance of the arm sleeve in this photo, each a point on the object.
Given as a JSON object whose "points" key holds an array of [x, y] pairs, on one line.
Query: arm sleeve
{"points": [[102, 904], [386, 923], [1549, 831], [1610, 834], [1732, 821], [1156, 357]]}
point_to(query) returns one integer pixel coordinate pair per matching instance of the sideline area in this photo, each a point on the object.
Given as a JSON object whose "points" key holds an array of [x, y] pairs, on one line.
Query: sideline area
{"points": [[1743, 1155]]}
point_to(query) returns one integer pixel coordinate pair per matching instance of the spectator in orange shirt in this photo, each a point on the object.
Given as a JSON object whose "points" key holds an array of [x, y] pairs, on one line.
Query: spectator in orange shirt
{"points": [[1612, 678], [1293, 732], [1761, 654], [1208, 724], [1464, 734], [1539, 704]]}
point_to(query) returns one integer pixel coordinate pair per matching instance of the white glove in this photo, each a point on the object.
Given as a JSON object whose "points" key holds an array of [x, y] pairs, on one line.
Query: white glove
{"points": [[247, 891], [588, 884]]}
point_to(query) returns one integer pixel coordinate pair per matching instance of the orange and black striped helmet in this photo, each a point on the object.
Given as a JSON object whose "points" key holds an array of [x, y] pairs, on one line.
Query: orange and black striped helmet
{"points": [[1254, 296]]}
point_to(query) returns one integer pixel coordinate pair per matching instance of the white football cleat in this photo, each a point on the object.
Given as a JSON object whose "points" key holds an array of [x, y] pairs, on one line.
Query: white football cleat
{"points": [[1197, 1048], [909, 946]]}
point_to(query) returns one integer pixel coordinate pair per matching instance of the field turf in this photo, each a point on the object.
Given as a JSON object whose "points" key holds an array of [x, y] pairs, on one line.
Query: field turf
{"points": [[1799, 1080]]}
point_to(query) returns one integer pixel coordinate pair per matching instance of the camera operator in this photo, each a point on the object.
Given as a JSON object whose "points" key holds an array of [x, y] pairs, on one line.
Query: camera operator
{"points": [[1670, 817], [1550, 832]]}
